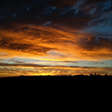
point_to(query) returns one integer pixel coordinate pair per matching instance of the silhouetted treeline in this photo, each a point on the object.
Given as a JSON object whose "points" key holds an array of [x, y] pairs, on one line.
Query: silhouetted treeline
{"points": [[78, 77]]}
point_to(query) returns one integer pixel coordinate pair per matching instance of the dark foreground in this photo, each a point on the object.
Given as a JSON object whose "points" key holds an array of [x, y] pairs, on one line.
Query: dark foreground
{"points": [[37, 78]]}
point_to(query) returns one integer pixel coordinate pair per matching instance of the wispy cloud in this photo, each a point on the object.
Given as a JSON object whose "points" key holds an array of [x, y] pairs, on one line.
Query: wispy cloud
{"points": [[51, 44]]}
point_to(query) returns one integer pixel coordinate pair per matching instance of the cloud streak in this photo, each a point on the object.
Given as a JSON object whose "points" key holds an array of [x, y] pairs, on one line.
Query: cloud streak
{"points": [[47, 43]]}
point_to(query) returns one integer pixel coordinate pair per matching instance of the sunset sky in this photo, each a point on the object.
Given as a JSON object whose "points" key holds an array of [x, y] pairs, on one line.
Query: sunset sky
{"points": [[61, 42]]}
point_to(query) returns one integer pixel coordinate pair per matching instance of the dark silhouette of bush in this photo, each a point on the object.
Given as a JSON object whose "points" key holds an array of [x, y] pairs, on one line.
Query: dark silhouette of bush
{"points": [[69, 77]]}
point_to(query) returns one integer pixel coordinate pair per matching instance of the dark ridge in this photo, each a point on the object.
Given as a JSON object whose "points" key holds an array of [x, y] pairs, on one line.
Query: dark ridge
{"points": [[78, 77]]}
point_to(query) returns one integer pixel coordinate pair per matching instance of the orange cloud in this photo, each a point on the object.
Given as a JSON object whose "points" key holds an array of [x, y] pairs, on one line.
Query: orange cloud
{"points": [[47, 43]]}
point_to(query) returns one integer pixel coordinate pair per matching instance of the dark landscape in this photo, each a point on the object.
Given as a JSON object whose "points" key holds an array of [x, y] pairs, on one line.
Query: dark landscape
{"points": [[57, 78]]}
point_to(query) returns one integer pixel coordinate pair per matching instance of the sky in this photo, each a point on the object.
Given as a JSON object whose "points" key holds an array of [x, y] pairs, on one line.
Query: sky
{"points": [[53, 46]]}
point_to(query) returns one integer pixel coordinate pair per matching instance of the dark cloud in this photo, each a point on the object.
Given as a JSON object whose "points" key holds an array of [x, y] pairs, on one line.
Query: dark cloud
{"points": [[95, 43], [50, 8], [8, 43]]}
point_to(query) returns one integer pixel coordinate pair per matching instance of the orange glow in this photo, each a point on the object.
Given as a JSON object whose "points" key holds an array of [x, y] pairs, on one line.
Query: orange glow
{"points": [[45, 43], [52, 71], [50, 45]]}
